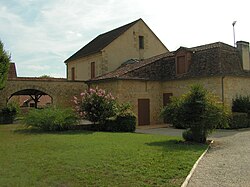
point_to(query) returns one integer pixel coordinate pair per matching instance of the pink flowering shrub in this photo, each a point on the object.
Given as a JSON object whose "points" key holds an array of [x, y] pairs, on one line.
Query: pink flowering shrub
{"points": [[96, 105]]}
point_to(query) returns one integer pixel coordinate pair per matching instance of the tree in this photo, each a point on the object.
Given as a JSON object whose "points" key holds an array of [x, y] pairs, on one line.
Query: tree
{"points": [[199, 111], [4, 65]]}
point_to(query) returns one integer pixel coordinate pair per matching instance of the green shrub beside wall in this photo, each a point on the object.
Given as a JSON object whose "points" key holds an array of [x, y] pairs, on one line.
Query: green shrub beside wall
{"points": [[118, 124], [241, 104], [51, 119], [8, 114], [121, 124], [239, 120]]}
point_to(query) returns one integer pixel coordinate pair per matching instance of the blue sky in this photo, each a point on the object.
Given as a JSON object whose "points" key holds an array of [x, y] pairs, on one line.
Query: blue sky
{"points": [[41, 34]]}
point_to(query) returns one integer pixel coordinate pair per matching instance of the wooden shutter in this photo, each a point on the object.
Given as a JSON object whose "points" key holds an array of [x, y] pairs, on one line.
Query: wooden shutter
{"points": [[141, 42], [92, 70], [181, 65], [73, 74]]}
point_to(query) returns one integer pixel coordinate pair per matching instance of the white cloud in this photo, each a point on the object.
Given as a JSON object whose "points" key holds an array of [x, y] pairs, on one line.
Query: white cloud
{"points": [[45, 33], [37, 67]]}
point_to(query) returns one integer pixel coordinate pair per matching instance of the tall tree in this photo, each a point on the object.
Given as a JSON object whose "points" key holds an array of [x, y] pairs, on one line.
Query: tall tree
{"points": [[4, 65]]}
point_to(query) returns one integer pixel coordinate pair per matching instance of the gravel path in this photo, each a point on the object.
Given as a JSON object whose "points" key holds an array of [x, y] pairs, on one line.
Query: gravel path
{"points": [[226, 164]]}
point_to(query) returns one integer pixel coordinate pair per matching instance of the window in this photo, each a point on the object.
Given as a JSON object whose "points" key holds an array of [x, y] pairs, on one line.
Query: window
{"points": [[92, 70], [141, 42], [73, 74], [181, 65]]}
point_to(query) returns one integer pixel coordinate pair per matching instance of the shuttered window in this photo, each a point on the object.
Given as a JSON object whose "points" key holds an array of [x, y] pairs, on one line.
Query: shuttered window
{"points": [[92, 70], [181, 65], [73, 74], [141, 42]]}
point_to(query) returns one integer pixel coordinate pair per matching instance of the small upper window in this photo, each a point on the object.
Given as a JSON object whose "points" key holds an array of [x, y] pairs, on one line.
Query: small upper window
{"points": [[73, 74], [141, 42], [92, 70], [181, 65]]}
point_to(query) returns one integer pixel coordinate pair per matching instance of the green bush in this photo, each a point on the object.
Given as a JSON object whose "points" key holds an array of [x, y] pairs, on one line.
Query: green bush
{"points": [[241, 104], [239, 120], [123, 121], [51, 119], [187, 135], [171, 111], [8, 114], [121, 124], [198, 110]]}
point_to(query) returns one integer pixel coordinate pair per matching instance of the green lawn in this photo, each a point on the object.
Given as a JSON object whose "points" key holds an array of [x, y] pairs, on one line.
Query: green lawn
{"points": [[83, 158]]}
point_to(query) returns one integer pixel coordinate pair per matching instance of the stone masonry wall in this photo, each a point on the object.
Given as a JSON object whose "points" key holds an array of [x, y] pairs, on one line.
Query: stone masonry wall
{"points": [[234, 85], [132, 90], [61, 92]]}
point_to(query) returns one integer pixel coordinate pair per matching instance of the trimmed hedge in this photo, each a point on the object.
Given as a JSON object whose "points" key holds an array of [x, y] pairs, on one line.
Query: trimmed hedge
{"points": [[124, 123], [121, 124]]}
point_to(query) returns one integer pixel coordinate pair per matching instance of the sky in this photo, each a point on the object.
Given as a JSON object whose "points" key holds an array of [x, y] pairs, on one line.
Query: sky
{"points": [[41, 34]]}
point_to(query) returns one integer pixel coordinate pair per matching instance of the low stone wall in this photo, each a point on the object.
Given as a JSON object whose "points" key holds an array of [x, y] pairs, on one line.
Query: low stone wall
{"points": [[61, 90]]}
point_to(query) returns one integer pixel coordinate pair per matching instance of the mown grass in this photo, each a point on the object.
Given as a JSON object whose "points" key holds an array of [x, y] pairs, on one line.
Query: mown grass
{"points": [[80, 158]]}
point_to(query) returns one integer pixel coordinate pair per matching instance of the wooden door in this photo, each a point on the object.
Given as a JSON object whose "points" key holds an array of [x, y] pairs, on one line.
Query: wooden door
{"points": [[166, 101], [143, 112]]}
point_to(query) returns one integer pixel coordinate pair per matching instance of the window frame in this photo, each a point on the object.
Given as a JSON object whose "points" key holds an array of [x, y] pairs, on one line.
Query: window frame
{"points": [[183, 64], [92, 70], [141, 42], [73, 74]]}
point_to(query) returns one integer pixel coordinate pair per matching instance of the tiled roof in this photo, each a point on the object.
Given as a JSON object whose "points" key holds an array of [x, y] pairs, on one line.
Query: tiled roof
{"points": [[100, 42], [126, 68], [207, 60]]}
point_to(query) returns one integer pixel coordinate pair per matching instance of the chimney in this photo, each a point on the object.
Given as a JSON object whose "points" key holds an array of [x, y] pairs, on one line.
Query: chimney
{"points": [[243, 48], [12, 71]]}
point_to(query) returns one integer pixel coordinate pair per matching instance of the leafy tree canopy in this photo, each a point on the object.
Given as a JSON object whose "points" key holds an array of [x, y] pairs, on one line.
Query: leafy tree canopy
{"points": [[4, 65]]}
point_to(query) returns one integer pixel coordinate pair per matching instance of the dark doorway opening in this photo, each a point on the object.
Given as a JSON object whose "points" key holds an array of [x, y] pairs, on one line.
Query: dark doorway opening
{"points": [[143, 112]]}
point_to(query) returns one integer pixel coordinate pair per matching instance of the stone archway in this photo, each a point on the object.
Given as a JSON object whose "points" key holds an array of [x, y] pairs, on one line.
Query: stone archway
{"points": [[60, 90], [34, 97]]}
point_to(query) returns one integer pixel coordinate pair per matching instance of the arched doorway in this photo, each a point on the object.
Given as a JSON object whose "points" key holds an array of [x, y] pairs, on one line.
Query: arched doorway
{"points": [[31, 98]]}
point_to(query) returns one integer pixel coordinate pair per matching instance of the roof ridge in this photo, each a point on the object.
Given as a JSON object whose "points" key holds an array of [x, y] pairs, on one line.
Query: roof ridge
{"points": [[208, 46], [131, 23], [101, 41]]}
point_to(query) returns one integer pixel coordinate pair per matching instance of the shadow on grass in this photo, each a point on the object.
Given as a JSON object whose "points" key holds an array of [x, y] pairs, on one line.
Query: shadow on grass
{"points": [[38, 131], [178, 145]]}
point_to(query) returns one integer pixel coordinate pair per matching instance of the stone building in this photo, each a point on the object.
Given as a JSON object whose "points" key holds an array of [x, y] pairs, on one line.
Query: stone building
{"points": [[108, 51], [148, 84]]}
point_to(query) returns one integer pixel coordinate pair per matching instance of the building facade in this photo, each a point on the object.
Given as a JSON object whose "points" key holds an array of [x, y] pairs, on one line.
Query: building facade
{"points": [[108, 51], [148, 84]]}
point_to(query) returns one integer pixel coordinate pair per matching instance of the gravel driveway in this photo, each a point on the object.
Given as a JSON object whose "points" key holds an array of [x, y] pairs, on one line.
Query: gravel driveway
{"points": [[226, 164]]}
